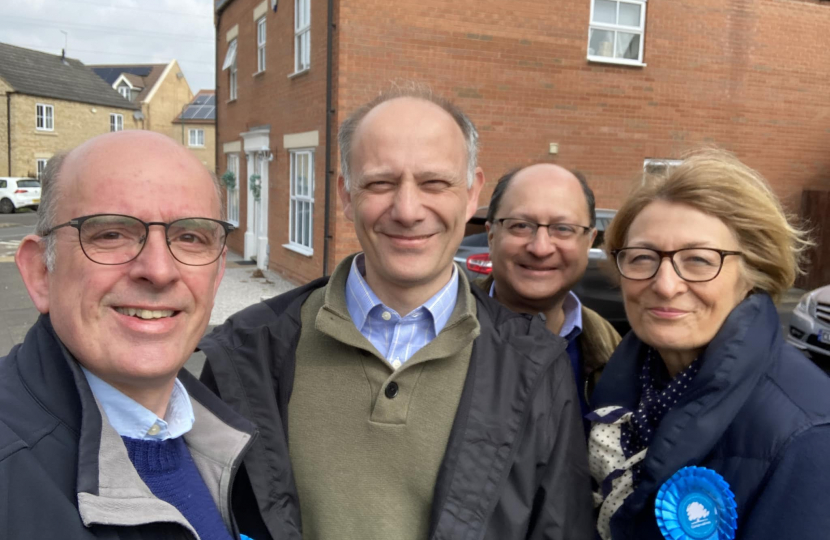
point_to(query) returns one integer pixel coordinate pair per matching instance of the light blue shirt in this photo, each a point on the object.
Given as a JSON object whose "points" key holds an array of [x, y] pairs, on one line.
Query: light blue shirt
{"points": [[397, 338], [131, 419], [573, 314]]}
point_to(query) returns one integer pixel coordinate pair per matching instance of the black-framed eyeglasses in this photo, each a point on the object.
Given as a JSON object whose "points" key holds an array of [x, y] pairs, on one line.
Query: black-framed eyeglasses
{"points": [[112, 239], [695, 265], [522, 228]]}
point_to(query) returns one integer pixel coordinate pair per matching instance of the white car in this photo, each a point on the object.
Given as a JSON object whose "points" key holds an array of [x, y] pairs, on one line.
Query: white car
{"points": [[18, 193], [810, 323]]}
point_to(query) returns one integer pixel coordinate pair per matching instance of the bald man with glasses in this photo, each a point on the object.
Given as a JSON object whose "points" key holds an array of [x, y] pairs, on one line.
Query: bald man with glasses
{"points": [[540, 226], [102, 433]]}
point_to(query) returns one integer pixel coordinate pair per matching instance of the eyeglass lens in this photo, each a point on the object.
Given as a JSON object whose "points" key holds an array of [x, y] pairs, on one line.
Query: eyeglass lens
{"points": [[111, 239], [526, 229], [696, 264]]}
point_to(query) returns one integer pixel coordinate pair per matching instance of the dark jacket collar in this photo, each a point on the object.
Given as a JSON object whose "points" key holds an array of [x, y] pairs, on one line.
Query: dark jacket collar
{"points": [[731, 367]]}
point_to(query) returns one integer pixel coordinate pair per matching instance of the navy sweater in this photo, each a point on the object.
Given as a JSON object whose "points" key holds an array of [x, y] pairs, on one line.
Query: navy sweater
{"points": [[168, 470]]}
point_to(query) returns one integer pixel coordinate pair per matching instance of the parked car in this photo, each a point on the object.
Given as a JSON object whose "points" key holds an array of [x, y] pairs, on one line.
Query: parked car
{"points": [[596, 290], [18, 193], [810, 324]]}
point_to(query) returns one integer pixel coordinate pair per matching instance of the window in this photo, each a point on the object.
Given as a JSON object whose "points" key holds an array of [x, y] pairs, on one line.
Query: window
{"points": [[233, 192], [124, 90], [196, 137], [260, 44], [301, 210], [45, 117], [616, 31], [659, 166], [116, 122], [41, 166], [230, 65], [302, 35]]}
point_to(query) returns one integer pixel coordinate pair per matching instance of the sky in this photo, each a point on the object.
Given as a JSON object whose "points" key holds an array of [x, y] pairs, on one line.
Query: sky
{"points": [[118, 32]]}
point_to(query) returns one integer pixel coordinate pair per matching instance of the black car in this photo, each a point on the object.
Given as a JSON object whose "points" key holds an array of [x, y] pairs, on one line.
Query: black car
{"points": [[596, 290]]}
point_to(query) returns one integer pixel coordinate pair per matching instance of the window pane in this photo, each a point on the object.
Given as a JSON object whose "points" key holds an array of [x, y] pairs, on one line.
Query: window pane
{"points": [[628, 46], [307, 226], [605, 11], [630, 14], [601, 43]]}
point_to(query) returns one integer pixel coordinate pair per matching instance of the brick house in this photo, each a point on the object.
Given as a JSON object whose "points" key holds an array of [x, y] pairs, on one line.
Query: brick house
{"points": [[163, 94], [50, 103], [606, 86], [197, 127]]}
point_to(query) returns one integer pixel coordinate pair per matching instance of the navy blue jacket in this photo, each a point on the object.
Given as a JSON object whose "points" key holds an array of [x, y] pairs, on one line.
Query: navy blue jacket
{"points": [[758, 413]]}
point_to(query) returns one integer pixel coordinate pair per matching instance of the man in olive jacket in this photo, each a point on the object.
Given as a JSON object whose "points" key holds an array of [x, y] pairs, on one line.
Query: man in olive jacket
{"points": [[408, 404], [540, 226]]}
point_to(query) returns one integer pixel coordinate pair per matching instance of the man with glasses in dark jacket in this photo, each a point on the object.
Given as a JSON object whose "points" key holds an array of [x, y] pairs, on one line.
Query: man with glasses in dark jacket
{"points": [[409, 405], [102, 433]]}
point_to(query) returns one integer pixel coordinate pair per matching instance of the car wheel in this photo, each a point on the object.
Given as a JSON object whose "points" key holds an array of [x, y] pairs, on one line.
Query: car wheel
{"points": [[6, 206]]}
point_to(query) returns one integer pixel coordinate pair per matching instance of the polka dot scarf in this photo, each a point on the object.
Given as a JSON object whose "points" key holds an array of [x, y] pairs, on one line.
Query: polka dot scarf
{"points": [[620, 438], [658, 394]]}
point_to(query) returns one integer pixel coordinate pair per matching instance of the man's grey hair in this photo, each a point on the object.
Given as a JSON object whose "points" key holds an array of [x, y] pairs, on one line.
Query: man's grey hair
{"points": [[50, 194], [345, 137]]}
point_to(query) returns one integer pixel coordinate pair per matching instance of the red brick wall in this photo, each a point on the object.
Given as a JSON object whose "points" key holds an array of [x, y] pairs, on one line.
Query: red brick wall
{"points": [[748, 75], [288, 105]]}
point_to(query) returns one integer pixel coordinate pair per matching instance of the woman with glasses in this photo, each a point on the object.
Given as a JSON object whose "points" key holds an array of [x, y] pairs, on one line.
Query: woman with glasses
{"points": [[705, 424]]}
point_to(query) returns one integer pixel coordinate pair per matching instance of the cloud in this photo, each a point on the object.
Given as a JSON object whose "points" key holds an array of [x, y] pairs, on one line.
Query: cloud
{"points": [[119, 32]]}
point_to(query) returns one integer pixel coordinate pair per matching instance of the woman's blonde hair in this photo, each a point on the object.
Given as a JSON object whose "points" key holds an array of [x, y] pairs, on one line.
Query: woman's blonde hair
{"points": [[716, 183]]}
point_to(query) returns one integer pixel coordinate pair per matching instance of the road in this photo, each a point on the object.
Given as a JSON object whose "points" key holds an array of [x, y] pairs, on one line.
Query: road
{"points": [[16, 310]]}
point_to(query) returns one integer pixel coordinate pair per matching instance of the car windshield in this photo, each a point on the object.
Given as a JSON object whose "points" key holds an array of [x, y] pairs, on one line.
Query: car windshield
{"points": [[28, 183]]}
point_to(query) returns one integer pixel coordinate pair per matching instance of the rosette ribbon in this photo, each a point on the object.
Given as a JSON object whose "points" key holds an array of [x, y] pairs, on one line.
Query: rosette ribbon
{"points": [[696, 504]]}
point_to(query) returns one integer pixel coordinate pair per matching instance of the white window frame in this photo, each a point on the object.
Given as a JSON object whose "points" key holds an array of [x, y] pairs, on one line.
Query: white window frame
{"points": [[44, 117], [658, 162], [302, 35], [614, 28], [124, 90], [260, 44], [230, 65], [116, 122], [40, 166], [301, 234], [199, 140], [233, 193]]}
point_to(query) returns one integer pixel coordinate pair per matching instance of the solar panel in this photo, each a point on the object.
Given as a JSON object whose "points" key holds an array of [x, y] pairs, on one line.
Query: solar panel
{"points": [[202, 108]]}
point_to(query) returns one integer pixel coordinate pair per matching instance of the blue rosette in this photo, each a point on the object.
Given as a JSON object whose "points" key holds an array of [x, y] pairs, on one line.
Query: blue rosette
{"points": [[696, 504]]}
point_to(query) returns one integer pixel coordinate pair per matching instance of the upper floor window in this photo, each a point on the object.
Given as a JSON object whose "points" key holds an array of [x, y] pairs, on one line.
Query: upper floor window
{"points": [[302, 35], [124, 90], [260, 44], [616, 31], [116, 122], [45, 117], [230, 65], [196, 137]]}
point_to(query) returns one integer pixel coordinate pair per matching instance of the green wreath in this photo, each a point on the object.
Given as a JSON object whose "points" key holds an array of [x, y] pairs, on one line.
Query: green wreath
{"points": [[229, 179], [255, 184]]}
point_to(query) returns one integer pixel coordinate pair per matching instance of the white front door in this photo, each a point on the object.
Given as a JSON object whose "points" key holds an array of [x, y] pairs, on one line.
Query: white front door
{"points": [[255, 146], [261, 211]]}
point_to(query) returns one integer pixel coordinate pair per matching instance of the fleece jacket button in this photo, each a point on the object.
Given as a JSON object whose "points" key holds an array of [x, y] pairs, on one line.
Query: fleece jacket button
{"points": [[391, 390]]}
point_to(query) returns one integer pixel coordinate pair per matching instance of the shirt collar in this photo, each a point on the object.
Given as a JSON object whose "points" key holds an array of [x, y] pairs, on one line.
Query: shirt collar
{"points": [[573, 313], [131, 419], [361, 300]]}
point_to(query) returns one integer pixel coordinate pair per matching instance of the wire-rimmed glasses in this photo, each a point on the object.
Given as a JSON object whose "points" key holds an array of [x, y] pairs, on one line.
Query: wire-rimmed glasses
{"points": [[112, 239]]}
